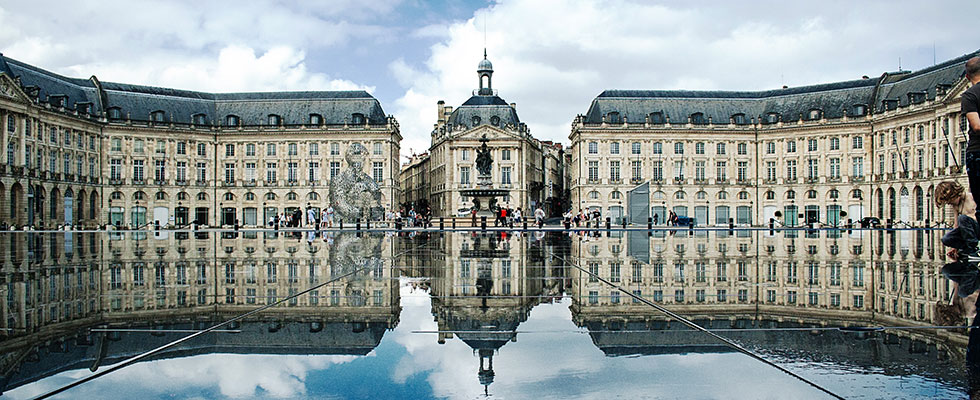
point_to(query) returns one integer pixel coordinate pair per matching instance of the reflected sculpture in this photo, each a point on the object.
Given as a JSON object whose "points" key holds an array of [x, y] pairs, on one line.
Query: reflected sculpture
{"points": [[353, 193]]}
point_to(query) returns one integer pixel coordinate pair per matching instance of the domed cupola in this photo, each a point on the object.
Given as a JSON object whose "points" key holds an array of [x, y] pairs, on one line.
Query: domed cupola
{"points": [[485, 70]]}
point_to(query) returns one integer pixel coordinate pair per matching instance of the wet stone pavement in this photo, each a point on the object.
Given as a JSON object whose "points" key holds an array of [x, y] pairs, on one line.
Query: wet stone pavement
{"points": [[502, 314]]}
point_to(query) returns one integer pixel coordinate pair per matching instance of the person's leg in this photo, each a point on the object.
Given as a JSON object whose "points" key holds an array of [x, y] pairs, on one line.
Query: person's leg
{"points": [[972, 163]]}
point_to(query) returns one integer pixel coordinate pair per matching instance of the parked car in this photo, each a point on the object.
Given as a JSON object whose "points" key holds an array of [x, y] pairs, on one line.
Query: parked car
{"points": [[463, 212]]}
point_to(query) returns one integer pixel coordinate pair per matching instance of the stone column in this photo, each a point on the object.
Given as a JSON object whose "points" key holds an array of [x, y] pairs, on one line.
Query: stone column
{"points": [[5, 137]]}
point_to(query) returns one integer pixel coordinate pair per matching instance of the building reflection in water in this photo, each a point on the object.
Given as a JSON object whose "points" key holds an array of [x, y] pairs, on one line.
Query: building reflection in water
{"points": [[58, 287]]}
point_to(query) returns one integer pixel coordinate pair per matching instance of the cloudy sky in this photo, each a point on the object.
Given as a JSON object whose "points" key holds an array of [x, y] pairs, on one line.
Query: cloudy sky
{"points": [[550, 57]]}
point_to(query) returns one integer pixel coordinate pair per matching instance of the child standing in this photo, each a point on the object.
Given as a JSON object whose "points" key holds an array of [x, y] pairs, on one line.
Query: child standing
{"points": [[963, 240]]}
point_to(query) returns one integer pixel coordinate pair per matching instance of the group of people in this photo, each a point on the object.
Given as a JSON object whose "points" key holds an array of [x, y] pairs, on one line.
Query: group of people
{"points": [[506, 216], [583, 217], [963, 239]]}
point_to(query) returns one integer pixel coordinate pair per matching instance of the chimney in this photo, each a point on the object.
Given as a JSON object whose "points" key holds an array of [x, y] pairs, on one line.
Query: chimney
{"points": [[514, 106], [440, 105]]}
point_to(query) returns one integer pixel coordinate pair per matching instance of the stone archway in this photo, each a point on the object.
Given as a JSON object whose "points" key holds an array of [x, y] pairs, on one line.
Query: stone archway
{"points": [[94, 207], [55, 206], [80, 208], [69, 208]]}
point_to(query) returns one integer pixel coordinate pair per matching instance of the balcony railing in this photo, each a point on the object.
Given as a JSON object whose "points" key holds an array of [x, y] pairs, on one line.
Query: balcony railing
{"points": [[159, 182], [181, 182], [249, 183]]}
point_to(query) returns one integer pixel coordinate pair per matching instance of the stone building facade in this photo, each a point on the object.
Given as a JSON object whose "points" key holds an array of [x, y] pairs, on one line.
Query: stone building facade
{"points": [[824, 153], [518, 158], [85, 152]]}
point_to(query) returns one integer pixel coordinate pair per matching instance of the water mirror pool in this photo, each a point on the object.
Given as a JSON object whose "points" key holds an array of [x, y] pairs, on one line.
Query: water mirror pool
{"points": [[504, 314]]}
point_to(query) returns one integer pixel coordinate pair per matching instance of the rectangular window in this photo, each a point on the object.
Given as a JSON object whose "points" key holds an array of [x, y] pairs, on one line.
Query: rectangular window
{"points": [[811, 145], [720, 149], [614, 171], [636, 148], [593, 147], [115, 169], [791, 169], [857, 142], [181, 148], [270, 172], [658, 148], [202, 172], [834, 168], [229, 150], [377, 148], [678, 169], [771, 148], [770, 170], [250, 150], [270, 149], [636, 167], [314, 171], [699, 167], [834, 143], [721, 171], [678, 148], [743, 149], [138, 170], [291, 171], [699, 148], [377, 171], [315, 149], [181, 171], [250, 172], [464, 175], [658, 170], [857, 167], [159, 170], [791, 146], [334, 169], [229, 172], [202, 150], [593, 171], [292, 148], [813, 166], [614, 148], [465, 154], [742, 170], [161, 147], [335, 149], [505, 175], [505, 154]]}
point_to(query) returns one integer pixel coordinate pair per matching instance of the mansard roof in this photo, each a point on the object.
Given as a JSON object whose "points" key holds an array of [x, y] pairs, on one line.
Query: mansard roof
{"points": [[833, 100], [485, 108], [137, 102]]}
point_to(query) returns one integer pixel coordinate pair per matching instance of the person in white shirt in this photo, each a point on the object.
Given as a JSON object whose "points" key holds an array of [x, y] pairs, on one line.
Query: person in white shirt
{"points": [[539, 217]]}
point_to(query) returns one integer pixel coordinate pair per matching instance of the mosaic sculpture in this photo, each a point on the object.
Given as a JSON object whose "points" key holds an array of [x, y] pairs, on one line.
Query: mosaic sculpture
{"points": [[353, 193]]}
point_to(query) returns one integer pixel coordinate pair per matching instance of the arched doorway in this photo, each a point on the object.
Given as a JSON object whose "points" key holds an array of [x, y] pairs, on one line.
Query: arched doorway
{"points": [[55, 206], [39, 196], [69, 207], [93, 206], [15, 214]]}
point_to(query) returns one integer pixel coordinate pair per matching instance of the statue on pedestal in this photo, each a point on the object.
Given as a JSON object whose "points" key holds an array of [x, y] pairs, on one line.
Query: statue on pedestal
{"points": [[484, 161]]}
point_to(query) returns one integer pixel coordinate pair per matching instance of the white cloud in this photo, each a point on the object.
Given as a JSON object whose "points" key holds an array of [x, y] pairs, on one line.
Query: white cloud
{"points": [[553, 57]]}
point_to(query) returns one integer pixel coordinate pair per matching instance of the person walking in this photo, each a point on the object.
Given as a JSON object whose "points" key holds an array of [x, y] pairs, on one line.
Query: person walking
{"points": [[539, 217]]}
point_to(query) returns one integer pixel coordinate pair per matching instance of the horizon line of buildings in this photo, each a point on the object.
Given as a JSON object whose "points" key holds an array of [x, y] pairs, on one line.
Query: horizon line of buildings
{"points": [[84, 152]]}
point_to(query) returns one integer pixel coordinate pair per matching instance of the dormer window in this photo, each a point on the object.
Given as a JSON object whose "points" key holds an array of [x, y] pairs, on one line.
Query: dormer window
{"points": [[739, 119], [941, 89], [273, 120], [698, 119], [57, 100], [614, 118], [657, 118], [199, 119], [917, 97], [231, 120], [814, 114], [859, 109], [316, 119], [772, 118], [357, 118], [115, 113], [889, 104], [83, 108], [157, 116], [495, 120]]}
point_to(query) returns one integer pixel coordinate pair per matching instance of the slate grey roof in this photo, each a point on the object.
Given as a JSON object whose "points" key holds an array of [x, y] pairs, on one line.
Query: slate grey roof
{"points": [[485, 108], [138, 101], [832, 99]]}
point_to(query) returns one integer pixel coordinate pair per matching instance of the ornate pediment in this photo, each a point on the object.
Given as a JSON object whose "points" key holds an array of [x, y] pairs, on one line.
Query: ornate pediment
{"points": [[491, 133], [11, 89]]}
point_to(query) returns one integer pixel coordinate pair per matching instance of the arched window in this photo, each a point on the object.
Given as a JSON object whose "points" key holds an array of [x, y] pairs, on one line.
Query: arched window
{"points": [[312, 196], [701, 195], [270, 196], [199, 119], [657, 118], [699, 119], [158, 116], [616, 195], [231, 120], [658, 195], [833, 194], [790, 194], [115, 113], [229, 196], [182, 196], [249, 196], [291, 196], [811, 194], [594, 195], [161, 195], [614, 118], [316, 119], [679, 195], [116, 196], [743, 195], [739, 119], [770, 195], [273, 120], [139, 195], [722, 195], [856, 194], [202, 196]]}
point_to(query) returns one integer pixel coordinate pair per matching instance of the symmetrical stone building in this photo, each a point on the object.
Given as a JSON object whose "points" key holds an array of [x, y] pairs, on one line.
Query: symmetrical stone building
{"points": [[825, 153], [85, 152], [521, 164]]}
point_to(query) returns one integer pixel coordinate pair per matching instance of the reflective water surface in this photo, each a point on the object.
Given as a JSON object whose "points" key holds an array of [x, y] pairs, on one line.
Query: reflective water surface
{"points": [[472, 314]]}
